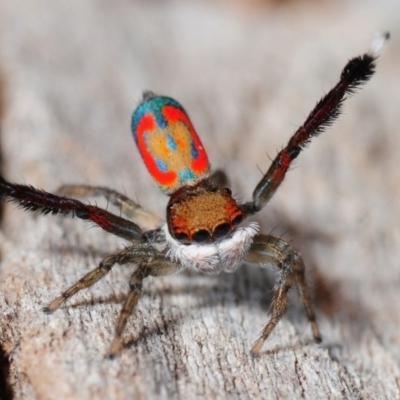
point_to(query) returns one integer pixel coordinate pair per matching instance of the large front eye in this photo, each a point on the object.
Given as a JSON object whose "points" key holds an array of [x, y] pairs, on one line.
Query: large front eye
{"points": [[201, 236], [222, 230], [237, 220], [228, 191], [182, 237]]}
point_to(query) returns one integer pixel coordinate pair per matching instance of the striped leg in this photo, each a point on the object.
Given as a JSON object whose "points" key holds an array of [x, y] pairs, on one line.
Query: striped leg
{"points": [[267, 250], [157, 265], [91, 277], [149, 261]]}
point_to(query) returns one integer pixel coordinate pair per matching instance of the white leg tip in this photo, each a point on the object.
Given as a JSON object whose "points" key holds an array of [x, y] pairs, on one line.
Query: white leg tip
{"points": [[378, 43]]}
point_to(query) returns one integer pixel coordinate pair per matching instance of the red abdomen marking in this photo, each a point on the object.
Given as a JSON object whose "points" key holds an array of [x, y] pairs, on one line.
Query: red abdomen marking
{"points": [[168, 143]]}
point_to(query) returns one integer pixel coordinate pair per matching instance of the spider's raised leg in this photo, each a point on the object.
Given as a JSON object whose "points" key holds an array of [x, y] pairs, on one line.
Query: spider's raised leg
{"points": [[140, 215], [356, 72], [33, 199], [269, 250]]}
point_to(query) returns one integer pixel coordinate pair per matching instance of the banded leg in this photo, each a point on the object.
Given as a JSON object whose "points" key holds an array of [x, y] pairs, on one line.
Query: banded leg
{"points": [[140, 215], [158, 265], [91, 278], [32, 199], [267, 250], [135, 291], [149, 261], [356, 73]]}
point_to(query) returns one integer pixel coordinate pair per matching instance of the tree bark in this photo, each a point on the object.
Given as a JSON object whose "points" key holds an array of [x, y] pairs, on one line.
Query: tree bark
{"points": [[73, 72]]}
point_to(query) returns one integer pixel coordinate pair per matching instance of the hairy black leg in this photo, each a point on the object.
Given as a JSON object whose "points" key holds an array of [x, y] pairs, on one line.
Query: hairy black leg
{"points": [[356, 73], [33, 199], [140, 215], [269, 250]]}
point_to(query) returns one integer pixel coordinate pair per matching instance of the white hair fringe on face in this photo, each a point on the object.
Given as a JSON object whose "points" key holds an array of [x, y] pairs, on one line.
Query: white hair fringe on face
{"points": [[212, 258]]}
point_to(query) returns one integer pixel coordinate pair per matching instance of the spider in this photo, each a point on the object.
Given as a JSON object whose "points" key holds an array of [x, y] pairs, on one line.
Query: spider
{"points": [[204, 228]]}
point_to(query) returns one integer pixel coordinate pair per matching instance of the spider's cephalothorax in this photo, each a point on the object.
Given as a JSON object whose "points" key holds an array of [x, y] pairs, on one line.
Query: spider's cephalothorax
{"points": [[203, 228], [202, 213]]}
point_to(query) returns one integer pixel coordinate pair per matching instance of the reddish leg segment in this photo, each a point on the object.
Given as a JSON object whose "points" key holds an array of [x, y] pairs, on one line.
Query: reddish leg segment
{"points": [[134, 211], [33, 199], [356, 72]]}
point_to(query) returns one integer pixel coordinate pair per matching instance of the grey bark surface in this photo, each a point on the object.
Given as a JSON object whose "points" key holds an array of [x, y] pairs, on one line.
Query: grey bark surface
{"points": [[73, 72]]}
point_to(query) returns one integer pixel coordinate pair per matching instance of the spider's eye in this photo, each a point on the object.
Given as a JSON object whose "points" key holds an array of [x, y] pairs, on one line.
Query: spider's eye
{"points": [[222, 230], [182, 237], [229, 191], [237, 220], [201, 236]]}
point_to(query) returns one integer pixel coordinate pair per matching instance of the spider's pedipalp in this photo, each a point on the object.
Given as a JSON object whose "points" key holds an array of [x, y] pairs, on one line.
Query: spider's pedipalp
{"points": [[355, 73]]}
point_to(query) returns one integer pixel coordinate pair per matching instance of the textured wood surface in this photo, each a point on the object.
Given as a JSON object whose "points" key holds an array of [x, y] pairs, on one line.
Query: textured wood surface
{"points": [[74, 71]]}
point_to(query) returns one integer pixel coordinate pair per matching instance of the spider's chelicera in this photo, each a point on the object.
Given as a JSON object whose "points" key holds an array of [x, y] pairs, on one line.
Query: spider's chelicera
{"points": [[204, 228]]}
